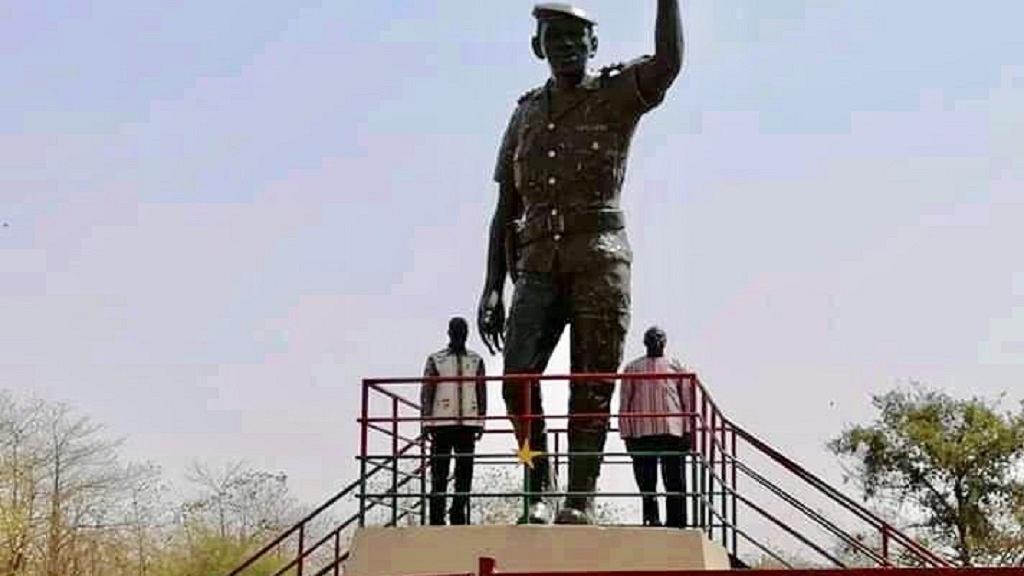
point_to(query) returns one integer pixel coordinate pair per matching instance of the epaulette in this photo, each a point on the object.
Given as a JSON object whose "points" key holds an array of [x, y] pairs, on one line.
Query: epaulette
{"points": [[617, 68], [529, 94], [612, 70]]}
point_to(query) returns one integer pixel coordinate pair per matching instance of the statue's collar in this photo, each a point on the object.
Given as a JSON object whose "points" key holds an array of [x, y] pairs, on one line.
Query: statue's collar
{"points": [[589, 84]]}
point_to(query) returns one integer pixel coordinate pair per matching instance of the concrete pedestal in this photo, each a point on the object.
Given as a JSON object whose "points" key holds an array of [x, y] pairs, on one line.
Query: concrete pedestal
{"points": [[456, 550]]}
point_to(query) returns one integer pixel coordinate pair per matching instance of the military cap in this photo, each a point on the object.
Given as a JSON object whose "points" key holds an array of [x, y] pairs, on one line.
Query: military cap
{"points": [[547, 10]]}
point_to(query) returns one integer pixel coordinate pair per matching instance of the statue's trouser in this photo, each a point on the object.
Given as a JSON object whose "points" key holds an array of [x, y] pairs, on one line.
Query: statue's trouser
{"points": [[596, 305]]}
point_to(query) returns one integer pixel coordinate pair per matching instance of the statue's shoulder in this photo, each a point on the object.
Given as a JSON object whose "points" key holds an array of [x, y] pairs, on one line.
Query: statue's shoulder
{"points": [[612, 70], [530, 95], [615, 70]]}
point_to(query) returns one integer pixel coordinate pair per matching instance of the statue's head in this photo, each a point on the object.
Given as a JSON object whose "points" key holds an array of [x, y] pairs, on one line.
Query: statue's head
{"points": [[458, 329], [655, 341], [565, 38]]}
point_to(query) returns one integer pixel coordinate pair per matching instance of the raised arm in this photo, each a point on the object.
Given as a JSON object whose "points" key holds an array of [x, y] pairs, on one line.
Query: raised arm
{"points": [[655, 75]]}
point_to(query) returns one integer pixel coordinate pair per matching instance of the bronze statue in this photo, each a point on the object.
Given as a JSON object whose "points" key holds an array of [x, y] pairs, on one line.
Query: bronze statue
{"points": [[559, 232]]}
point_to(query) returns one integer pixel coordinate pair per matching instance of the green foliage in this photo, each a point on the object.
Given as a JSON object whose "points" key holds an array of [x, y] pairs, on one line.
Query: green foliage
{"points": [[207, 553], [953, 465]]}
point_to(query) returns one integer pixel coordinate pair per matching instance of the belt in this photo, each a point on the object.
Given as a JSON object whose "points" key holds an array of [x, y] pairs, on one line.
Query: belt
{"points": [[557, 223]]}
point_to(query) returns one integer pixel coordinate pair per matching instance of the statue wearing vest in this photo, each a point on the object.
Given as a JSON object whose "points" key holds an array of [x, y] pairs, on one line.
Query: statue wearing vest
{"points": [[453, 413]]}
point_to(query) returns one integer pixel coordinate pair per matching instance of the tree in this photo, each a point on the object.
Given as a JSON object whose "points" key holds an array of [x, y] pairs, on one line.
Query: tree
{"points": [[20, 478], [952, 467], [240, 502], [60, 478], [70, 506]]}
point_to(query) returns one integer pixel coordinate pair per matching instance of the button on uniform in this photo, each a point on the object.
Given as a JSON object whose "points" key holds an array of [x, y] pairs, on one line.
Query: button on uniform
{"points": [[551, 126], [552, 181], [552, 153]]}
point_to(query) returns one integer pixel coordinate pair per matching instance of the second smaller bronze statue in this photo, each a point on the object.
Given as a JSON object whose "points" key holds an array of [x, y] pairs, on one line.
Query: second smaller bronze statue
{"points": [[559, 230]]}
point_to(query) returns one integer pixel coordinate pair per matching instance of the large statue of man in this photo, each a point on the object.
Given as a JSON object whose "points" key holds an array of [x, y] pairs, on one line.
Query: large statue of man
{"points": [[559, 232]]}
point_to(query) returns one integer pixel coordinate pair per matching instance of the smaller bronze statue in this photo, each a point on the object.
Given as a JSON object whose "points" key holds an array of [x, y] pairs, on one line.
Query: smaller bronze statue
{"points": [[559, 231]]}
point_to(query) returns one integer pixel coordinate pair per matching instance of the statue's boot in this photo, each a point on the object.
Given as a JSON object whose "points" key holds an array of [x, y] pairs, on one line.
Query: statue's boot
{"points": [[540, 481], [538, 512], [583, 474]]}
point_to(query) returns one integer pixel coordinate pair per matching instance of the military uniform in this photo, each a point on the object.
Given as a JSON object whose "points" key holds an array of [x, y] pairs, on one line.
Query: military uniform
{"points": [[565, 152]]}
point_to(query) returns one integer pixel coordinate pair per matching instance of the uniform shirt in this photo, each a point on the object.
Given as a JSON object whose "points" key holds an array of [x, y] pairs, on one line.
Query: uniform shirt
{"points": [[565, 152], [658, 395], [460, 403]]}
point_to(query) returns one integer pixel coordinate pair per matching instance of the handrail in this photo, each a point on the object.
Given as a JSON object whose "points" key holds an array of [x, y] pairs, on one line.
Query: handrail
{"points": [[785, 527], [394, 396], [712, 435], [284, 535], [309, 517], [810, 513], [333, 565], [714, 439], [849, 503], [387, 432], [522, 378], [748, 537], [337, 531], [332, 534]]}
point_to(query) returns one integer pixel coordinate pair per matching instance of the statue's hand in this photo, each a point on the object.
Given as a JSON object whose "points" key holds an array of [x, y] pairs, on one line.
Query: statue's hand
{"points": [[490, 319]]}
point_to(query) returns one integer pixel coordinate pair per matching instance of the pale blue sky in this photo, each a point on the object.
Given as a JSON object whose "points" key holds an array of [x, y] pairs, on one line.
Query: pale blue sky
{"points": [[222, 215]]}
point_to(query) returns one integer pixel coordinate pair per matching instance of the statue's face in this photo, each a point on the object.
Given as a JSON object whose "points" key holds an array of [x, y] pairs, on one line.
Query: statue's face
{"points": [[568, 43]]}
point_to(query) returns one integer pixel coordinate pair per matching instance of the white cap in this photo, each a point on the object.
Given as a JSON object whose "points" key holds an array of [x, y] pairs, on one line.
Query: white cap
{"points": [[562, 9]]}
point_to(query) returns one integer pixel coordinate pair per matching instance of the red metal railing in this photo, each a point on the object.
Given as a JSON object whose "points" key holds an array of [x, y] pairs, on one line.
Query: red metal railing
{"points": [[717, 499], [393, 462]]}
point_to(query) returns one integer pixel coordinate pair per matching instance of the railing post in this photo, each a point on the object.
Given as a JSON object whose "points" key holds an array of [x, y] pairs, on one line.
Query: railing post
{"points": [[423, 476], [705, 463], [337, 551], [554, 471], [394, 461], [527, 428], [885, 543], [692, 487], [486, 566], [302, 549], [735, 488], [724, 481], [712, 450], [363, 441]]}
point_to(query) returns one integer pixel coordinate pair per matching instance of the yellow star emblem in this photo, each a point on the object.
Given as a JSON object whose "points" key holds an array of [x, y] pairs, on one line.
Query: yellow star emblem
{"points": [[526, 455]]}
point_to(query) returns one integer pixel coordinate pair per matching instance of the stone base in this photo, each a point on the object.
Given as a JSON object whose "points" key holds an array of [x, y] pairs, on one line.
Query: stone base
{"points": [[457, 550]]}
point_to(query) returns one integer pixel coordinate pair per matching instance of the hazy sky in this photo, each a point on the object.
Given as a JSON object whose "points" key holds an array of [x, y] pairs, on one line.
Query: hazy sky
{"points": [[220, 216]]}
